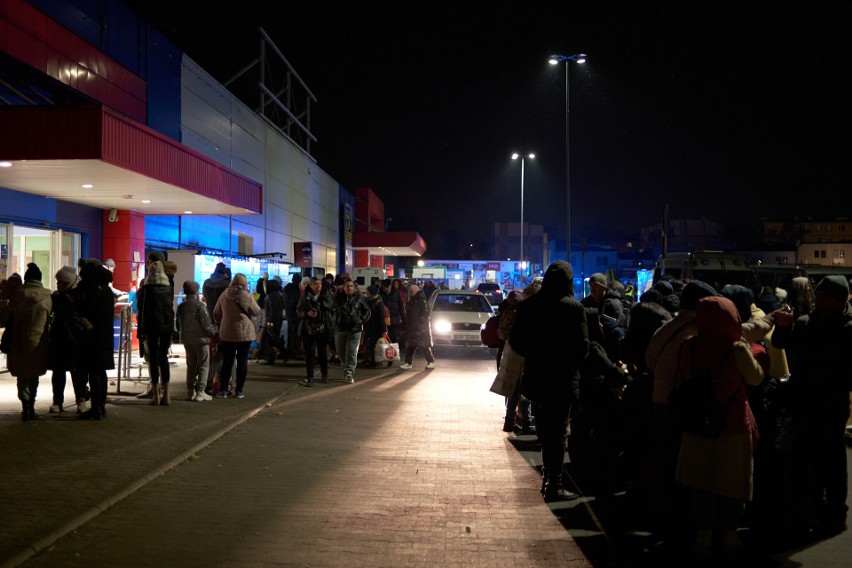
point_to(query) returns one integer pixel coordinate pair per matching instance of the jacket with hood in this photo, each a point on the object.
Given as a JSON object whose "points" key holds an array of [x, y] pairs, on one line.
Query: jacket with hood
{"points": [[551, 333], [232, 311], [29, 311], [93, 299], [213, 287]]}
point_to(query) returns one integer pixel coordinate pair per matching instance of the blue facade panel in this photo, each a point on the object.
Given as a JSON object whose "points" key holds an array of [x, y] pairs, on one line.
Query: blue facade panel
{"points": [[42, 213], [164, 69]]}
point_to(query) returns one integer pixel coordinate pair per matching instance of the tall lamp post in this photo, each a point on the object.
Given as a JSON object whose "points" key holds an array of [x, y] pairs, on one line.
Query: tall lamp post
{"points": [[555, 60], [516, 156]]}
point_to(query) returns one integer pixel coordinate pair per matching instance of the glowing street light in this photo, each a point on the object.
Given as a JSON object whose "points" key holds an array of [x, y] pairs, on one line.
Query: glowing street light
{"points": [[555, 60], [516, 156]]}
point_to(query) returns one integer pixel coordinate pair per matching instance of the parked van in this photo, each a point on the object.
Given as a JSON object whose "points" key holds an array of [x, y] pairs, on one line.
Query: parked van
{"points": [[716, 268], [367, 275]]}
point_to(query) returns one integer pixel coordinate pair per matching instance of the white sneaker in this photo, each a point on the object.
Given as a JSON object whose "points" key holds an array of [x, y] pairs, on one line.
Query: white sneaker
{"points": [[405, 366], [57, 408], [430, 365], [201, 397]]}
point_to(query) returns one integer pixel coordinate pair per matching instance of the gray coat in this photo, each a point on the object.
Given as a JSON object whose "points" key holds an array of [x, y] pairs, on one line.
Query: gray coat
{"points": [[193, 322]]}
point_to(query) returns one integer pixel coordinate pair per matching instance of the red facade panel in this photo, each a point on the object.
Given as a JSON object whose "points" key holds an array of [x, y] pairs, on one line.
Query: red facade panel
{"points": [[32, 37]]}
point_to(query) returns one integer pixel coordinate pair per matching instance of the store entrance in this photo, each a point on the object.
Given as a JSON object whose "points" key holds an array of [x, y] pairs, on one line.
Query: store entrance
{"points": [[49, 249]]}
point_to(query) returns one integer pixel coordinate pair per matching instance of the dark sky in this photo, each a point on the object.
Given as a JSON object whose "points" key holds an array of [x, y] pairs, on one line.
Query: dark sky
{"points": [[716, 109]]}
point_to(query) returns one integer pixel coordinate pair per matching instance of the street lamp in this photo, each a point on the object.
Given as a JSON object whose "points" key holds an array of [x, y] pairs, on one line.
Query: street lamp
{"points": [[515, 156], [555, 60]]}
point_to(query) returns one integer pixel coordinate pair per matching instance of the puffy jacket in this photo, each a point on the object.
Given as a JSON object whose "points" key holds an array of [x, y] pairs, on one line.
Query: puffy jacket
{"points": [[232, 311], [29, 308], [350, 312], [193, 322]]}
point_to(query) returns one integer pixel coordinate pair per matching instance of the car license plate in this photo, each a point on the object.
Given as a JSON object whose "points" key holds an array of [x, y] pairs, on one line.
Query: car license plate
{"points": [[463, 337]]}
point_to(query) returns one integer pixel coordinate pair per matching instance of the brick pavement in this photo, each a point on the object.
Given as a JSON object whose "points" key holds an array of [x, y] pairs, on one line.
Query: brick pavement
{"points": [[400, 469]]}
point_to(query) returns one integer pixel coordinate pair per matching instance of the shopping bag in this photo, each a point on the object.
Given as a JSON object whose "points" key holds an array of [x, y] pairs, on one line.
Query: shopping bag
{"points": [[509, 375], [386, 351]]}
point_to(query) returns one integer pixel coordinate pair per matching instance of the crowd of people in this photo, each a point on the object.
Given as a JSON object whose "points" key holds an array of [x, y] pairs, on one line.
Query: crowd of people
{"points": [[605, 376], [222, 323]]}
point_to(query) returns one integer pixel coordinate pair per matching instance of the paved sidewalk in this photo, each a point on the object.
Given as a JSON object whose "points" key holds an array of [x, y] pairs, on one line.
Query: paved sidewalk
{"points": [[399, 469]]}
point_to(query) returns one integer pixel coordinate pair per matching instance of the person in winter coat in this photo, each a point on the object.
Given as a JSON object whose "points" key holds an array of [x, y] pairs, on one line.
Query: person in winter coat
{"points": [[817, 347], [292, 292], [196, 330], [662, 358], [156, 325], [392, 298], [316, 306], [28, 314], [507, 310], [212, 288], [376, 327], [271, 343], [718, 471], [235, 310], [418, 328], [62, 354], [551, 333], [350, 314], [94, 303]]}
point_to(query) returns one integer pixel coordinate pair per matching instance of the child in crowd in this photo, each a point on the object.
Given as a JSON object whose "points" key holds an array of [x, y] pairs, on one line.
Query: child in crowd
{"points": [[196, 329]]}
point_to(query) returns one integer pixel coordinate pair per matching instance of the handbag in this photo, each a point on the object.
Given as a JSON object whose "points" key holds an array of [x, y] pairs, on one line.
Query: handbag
{"points": [[385, 351], [509, 376], [314, 328]]}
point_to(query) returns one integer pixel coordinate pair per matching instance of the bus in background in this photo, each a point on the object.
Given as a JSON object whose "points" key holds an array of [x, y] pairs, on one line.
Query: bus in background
{"points": [[716, 268]]}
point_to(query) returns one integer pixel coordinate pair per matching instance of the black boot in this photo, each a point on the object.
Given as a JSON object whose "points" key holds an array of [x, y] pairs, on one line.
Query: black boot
{"points": [[25, 410], [553, 490]]}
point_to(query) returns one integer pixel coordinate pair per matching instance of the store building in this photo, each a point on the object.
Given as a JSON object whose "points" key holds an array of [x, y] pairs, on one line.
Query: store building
{"points": [[113, 142]]}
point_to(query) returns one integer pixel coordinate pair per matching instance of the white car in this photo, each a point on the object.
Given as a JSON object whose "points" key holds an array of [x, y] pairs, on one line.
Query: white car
{"points": [[457, 317]]}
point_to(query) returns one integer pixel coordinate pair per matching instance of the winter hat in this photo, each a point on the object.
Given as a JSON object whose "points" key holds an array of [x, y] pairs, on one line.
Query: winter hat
{"points": [[386, 282], [373, 290], [835, 286], [663, 287], [297, 278], [651, 296], [597, 278], [33, 273], [693, 292], [612, 308], [190, 287], [156, 275], [742, 299], [156, 255], [109, 263], [781, 294], [413, 289], [67, 275]]}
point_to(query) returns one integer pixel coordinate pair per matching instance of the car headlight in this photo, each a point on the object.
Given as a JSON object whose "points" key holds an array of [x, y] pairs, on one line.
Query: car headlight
{"points": [[443, 326]]}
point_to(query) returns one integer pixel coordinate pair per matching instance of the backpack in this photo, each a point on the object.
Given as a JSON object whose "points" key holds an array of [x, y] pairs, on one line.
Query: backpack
{"points": [[695, 405], [488, 333]]}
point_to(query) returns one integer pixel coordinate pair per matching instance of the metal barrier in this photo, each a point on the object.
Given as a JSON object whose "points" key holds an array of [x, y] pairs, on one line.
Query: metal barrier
{"points": [[124, 334]]}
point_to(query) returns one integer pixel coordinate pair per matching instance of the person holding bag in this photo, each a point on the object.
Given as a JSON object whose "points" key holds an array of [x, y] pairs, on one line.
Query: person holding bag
{"points": [[315, 316], [235, 310], [376, 327]]}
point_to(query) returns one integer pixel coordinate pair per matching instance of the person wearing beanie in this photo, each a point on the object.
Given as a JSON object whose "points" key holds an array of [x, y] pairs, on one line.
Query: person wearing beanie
{"points": [[661, 358], [551, 333], [25, 319], [376, 326], [211, 289], [817, 347], [196, 330], [155, 326], [62, 354], [593, 303]]}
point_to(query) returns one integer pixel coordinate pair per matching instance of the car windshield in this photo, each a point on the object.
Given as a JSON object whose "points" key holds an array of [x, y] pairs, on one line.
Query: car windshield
{"points": [[461, 303]]}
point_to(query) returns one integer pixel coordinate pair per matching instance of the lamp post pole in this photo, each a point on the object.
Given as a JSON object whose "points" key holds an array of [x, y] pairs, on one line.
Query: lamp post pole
{"points": [[516, 156], [554, 60]]}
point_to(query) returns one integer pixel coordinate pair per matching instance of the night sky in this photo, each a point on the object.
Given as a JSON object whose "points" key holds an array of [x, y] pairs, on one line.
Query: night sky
{"points": [[718, 110]]}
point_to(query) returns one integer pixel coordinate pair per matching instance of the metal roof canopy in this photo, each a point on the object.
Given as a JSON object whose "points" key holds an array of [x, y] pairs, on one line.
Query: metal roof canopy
{"points": [[390, 244], [54, 151]]}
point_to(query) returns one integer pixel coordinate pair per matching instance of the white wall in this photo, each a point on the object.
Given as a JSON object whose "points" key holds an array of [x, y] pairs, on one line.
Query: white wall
{"points": [[301, 200]]}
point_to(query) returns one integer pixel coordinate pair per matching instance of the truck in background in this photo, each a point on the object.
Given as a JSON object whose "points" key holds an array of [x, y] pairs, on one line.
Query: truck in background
{"points": [[364, 276], [716, 268]]}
